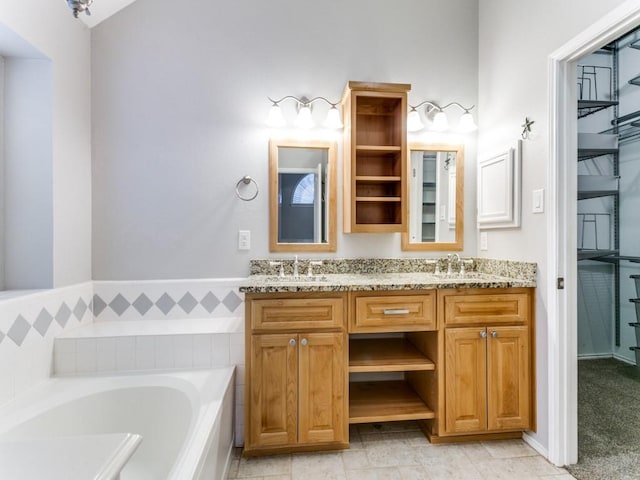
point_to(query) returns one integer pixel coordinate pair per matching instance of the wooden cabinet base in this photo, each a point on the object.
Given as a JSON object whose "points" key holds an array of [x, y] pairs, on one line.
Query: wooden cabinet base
{"points": [[316, 447], [479, 437]]}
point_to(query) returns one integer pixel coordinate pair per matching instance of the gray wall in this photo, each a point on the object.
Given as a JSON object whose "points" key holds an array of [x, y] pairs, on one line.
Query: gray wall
{"points": [[179, 108]]}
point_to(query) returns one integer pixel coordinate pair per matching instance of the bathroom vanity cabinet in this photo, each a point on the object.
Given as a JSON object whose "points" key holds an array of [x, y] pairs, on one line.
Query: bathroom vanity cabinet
{"points": [[487, 384], [375, 152], [458, 360], [296, 373]]}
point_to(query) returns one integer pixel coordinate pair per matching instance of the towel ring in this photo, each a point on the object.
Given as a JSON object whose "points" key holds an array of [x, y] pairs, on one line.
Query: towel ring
{"points": [[246, 180]]}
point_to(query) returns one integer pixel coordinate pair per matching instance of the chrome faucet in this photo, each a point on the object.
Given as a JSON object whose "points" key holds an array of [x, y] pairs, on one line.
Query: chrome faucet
{"points": [[311, 264], [450, 258]]}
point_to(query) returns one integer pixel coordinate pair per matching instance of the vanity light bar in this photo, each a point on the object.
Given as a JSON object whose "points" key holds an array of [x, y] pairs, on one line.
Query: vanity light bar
{"points": [[304, 119], [439, 120]]}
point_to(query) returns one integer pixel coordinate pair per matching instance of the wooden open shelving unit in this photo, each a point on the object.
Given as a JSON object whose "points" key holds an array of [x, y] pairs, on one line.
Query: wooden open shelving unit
{"points": [[386, 355], [375, 157], [385, 401]]}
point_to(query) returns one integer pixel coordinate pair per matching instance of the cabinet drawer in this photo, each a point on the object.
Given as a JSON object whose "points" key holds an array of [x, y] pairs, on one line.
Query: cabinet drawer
{"points": [[494, 309], [397, 313], [296, 313]]}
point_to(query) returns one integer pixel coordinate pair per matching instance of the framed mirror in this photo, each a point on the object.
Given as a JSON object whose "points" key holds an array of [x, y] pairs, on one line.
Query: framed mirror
{"points": [[302, 196], [436, 198]]}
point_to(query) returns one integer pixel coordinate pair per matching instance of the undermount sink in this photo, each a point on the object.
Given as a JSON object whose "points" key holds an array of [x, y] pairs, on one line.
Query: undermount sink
{"points": [[300, 279]]}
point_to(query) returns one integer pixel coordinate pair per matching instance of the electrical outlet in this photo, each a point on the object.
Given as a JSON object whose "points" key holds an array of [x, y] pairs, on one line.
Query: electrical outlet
{"points": [[244, 239], [484, 241]]}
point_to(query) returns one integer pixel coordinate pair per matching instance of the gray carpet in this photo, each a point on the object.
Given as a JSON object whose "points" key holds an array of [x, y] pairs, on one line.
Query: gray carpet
{"points": [[608, 421]]}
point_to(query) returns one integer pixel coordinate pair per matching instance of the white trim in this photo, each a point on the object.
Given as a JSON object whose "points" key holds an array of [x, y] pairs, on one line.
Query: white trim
{"points": [[595, 356], [561, 240], [624, 359], [533, 443]]}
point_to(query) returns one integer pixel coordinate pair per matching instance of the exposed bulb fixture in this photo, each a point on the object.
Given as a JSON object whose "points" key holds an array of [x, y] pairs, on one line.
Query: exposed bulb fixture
{"points": [[79, 6], [275, 118], [413, 121], [439, 120], [304, 118]]}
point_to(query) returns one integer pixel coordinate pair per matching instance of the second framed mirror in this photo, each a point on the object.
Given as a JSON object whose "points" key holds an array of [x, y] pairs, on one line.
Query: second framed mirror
{"points": [[436, 198]]}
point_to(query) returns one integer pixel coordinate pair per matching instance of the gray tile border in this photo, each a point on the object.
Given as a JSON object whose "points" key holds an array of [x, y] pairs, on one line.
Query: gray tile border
{"points": [[188, 302], [43, 321], [165, 303], [142, 304], [63, 314], [210, 302], [2, 335], [232, 301], [98, 305], [119, 304], [19, 330], [80, 309]]}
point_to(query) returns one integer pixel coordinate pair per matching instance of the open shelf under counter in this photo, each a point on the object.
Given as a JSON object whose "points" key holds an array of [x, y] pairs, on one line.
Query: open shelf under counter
{"points": [[386, 355], [385, 401], [378, 148]]}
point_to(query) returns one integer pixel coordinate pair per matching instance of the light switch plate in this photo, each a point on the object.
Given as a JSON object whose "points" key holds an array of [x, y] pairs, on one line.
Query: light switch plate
{"points": [[484, 241], [538, 201], [244, 239]]}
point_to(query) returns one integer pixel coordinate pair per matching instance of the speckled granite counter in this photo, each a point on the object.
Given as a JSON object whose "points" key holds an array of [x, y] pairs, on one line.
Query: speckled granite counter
{"points": [[338, 275]]}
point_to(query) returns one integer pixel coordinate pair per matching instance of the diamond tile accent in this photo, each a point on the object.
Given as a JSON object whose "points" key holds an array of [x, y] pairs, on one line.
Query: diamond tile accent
{"points": [[2, 335], [62, 317], [232, 301], [142, 304], [210, 302], [19, 330], [98, 305], [165, 303], [80, 309], [187, 302], [42, 322], [119, 304]]}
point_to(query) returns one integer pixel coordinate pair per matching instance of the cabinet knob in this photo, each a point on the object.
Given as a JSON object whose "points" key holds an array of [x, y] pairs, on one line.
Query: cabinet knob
{"points": [[494, 334], [292, 342], [483, 334], [303, 342]]}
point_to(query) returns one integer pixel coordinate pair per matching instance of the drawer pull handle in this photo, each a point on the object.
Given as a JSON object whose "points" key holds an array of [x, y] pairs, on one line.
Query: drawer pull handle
{"points": [[292, 342], [396, 311]]}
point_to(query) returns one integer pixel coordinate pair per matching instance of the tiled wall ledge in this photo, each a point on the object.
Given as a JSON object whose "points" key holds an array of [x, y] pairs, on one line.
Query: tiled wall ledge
{"points": [[28, 324], [503, 268]]}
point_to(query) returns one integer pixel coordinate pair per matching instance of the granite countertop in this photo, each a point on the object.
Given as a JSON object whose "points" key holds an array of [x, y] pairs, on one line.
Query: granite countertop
{"points": [[386, 274]]}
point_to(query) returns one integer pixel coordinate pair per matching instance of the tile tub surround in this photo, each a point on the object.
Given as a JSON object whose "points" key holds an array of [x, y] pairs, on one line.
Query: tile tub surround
{"points": [[28, 324], [390, 274]]}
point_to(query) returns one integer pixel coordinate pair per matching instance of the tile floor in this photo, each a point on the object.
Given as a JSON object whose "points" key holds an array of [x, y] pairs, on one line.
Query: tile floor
{"points": [[399, 451]]}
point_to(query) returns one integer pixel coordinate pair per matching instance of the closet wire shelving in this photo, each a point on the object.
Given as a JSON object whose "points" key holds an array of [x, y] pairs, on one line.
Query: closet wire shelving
{"points": [[594, 97]]}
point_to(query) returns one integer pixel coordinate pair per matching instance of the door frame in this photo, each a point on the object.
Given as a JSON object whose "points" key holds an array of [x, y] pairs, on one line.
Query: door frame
{"points": [[562, 262]]}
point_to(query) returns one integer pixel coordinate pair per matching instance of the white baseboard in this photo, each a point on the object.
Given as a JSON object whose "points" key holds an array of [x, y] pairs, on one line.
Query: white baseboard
{"points": [[595, 356], [537, 446], [624, 359]]}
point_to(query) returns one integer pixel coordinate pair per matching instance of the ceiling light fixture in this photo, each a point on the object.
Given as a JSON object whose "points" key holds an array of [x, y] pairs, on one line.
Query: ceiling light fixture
{"points": [[439, 120], [79, 6], [304, 118]]}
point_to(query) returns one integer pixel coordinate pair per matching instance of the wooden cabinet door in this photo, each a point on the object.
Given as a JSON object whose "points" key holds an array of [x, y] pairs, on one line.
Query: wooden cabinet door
{"points": [[321, 388], [508, 378], [465, 380], [273, 397]]}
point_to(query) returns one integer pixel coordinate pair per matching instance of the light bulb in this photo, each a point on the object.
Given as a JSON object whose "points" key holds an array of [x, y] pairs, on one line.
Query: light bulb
{"points": [[304, 119], [333, 118], [466, 123], [275, 118], [413, 121], [440, 122]]}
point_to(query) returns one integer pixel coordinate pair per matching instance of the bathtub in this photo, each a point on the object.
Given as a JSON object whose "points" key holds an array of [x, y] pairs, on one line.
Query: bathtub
{"points": [[185, 418]]}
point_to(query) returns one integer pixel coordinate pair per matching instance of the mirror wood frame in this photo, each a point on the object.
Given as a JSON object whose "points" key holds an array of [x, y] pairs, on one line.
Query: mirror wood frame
{"points": [[457, 245], [274, 245]]}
